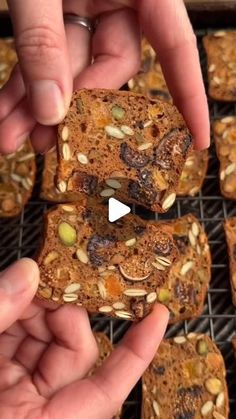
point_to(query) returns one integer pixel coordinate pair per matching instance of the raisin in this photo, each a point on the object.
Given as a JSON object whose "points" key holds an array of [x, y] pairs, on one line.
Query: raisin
{"points": [[139, 230], [181, 242], [187, 141], [133, 158], [163, 248], [195, 391], [185, 293], [234, 252], [96, 244], [84, 183], [159, 370], [142, 190], [186, 414]]}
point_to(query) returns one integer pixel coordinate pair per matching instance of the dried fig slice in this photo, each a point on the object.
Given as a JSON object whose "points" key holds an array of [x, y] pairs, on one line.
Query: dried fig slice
{"points": [[135, 270], [132, 157]]}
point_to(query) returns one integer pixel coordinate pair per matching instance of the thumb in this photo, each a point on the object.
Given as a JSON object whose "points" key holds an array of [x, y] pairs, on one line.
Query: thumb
{"points": [[18, 285], [43, 57]]}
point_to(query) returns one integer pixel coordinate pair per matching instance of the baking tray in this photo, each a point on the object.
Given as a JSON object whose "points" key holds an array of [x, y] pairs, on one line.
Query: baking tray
{"points": [[20, 237]]}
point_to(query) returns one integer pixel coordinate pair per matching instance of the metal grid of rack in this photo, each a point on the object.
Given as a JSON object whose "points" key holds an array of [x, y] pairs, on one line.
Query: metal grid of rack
{"points": [[20, 236]]}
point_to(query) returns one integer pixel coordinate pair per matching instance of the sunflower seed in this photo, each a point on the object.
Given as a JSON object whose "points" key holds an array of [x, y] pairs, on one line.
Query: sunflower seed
{"points": [[67, 208], [156, 408], [195, 229], [191, 335], [207, 408], [144, 146], [65, 133], [151, 297], [66, 153], [25, 184], [102, 290], [216, 80], [219, 34], [134, 292], [198, 250], [118, 306], [147, 124], [179, 340], [220, 400], [130, 242], [227, 119], [123, 314], [222, 175], [211, 68], [191, 238], [230, 169], [186, 267], [82, 256], [158, 266], [19, 199], [69, 298], [163, 261], [72, 288], [114, 132], [105, 309], [107, 192], [111, 268], [168, 201], [113, 183], [16, 178], [213, 386], [82, 158], [131, 83], [217, 415], [26, 157], [127, 130], [62, 186]]}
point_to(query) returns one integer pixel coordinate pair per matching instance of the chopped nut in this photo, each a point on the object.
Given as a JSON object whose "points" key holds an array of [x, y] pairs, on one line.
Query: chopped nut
{"points": [[156, 408], [207, 408], [130, 242], [67, 208], [168, 201], [211, 68], [179, 340], [220, 400], [151, 297], [102, 290], [67, 234], [45, 292], [217, 415], [51, 256], [195, 229], [213, 386], [186, 267], [192, 238], [62, 186], [105, 309], [144, 146]]}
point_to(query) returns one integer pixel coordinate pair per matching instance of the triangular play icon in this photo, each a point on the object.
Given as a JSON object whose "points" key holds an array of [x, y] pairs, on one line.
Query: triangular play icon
{"points": [[116, 210]]}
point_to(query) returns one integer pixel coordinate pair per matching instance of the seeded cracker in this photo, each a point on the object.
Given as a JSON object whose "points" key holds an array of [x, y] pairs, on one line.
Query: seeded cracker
{"points": [[186, 380], [230, 232], [121, 269], [150, 79], [17, 170], [221, 60], [224, 131], [193, 174], [124, 145]]}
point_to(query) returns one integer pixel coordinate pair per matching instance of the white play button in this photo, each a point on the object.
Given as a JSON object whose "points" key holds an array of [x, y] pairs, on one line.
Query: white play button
{"points": [[116, 210]]}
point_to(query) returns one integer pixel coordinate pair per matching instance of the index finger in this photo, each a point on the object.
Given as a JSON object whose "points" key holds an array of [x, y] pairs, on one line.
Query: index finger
{"points": [[169, 30]]}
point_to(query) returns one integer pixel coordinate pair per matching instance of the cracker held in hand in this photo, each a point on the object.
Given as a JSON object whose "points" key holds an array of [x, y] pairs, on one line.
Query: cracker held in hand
{"points": [[186, 380], [122, 144], [230, 232], [109, 268]]}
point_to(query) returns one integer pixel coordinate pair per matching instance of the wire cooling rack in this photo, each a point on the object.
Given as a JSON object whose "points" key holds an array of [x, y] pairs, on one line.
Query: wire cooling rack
{"points": [[20, 236]]}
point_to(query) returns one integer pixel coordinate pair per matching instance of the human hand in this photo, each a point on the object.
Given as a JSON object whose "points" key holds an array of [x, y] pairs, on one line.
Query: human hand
{"points": [[54, 59], [45, 355]]}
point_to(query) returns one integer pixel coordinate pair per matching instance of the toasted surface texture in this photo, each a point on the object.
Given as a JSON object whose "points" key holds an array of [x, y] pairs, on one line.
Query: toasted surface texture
{"points": [[224, 131], [111, 268], [17, 175], [150, 79], [186, 380], [8, 59], [185, 290], [230, 232], [122, 144], [193, 174], [121, 269], [221, 60]]}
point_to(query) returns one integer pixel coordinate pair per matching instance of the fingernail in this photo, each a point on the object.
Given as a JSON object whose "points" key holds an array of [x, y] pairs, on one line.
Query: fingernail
{"points": [[47, 102], [13, 282]]}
